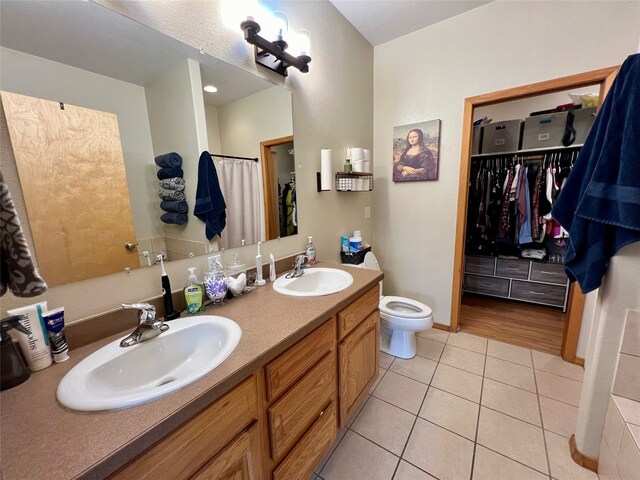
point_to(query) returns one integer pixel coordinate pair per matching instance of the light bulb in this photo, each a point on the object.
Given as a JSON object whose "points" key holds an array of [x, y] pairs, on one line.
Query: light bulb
{"points": [[210, 89], [275, 26], [300, 43], [234, 12]]}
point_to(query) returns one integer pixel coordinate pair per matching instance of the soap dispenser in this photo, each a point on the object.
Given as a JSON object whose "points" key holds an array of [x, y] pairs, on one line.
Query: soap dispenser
{"points": [[13, 369], [194, 293]]}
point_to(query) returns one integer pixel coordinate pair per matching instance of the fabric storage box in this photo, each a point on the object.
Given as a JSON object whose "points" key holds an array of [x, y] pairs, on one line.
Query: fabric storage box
{"points": [[501, 136], [582, 122], [543, 131], [354, 258], [476, 142]]}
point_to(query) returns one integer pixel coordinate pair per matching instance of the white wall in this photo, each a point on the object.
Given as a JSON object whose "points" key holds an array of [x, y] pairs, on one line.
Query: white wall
{"points": [[42, 78], [427, 74], [213, 131]]}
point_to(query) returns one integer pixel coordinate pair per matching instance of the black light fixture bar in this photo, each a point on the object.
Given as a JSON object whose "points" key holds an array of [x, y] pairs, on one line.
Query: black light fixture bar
{"points": [[272, 55]]}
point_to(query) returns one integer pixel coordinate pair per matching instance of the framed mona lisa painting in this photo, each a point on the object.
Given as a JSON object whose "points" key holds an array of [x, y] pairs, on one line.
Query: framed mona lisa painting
{"points": [[416, 151]]}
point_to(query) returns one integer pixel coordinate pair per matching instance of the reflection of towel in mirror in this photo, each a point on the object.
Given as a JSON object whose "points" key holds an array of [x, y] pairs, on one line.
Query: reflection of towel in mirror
{"points": [[174, 206], [210, 206], [169, 160], [17, 271], [171, 195], [169, 173], [175, 218], [600, 203], [174, 183]]}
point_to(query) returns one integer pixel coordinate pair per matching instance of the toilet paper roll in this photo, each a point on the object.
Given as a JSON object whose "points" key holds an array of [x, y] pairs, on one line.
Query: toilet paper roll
{"points": [[366, 168], [358, 165], [357, 153], [366, 154], [325, 169]]}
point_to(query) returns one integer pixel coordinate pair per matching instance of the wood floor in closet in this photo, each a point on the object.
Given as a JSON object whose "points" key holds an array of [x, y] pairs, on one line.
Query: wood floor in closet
{"points": [[523, 324]]}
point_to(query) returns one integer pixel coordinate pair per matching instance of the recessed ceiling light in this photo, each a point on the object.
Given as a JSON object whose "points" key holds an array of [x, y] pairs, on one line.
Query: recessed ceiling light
{"points": [[210, 89]]}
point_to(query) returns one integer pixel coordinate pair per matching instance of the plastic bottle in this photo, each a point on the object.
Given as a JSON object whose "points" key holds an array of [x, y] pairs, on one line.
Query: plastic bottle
{"points": [[311, 251], [194, 293], [35, 346], [355, 242]]}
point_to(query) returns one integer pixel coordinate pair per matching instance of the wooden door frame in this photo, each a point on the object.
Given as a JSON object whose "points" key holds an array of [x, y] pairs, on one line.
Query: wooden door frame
{"points": [[575, 305], [267, 171]]}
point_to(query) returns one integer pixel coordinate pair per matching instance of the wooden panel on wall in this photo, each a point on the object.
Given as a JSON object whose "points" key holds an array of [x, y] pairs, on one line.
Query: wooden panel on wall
{"points": [[72, 174]]}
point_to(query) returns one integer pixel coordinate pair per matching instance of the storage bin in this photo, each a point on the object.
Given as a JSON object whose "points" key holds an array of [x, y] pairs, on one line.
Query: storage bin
{"points": [[582, 122], [354, 258], [543, 131], [501, 136], [476, 143]]}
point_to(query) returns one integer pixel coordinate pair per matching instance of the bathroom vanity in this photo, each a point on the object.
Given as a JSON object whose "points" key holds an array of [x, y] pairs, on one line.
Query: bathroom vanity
{"points": [[271, 410]]}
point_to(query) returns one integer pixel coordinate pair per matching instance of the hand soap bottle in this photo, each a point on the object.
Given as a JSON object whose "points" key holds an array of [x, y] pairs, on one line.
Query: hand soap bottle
{"points": [[311, 251], [194, 293]]}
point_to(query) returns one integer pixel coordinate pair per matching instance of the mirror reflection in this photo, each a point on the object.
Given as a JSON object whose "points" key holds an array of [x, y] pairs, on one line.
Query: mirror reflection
{"points": [[147, 99]]}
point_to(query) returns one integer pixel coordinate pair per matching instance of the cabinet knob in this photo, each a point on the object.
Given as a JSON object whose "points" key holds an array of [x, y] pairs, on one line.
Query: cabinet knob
{"points": [[130, 245]]}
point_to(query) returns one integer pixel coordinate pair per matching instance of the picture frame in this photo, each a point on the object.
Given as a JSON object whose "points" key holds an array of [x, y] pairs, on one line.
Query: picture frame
{"points": [[416, 151]]}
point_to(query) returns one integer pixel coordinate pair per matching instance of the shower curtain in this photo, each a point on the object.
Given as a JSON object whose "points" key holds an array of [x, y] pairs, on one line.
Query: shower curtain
{"points": [[239, 182]]}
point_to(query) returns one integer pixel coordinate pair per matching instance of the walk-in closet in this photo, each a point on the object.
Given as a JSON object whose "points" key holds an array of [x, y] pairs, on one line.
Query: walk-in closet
{"points": [[511, 278]]}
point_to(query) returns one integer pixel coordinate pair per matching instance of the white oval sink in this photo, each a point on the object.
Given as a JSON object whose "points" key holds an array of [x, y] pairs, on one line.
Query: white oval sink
{"points": [[314, 282], [115, 377]]}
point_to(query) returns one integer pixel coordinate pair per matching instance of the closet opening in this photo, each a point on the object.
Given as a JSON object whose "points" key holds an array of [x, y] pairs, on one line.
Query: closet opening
{"points": [[509, 282], [279, 182]]}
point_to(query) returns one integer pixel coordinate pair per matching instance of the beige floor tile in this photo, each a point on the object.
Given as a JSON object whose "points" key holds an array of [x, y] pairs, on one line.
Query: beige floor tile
{"points": [[429, 348], [463, 359], [430, 449], [628, 458], [358, 410], [384, 424], [511, 353], [558, 388], [627, 382], [513, 438], [562, 465], [336, 442], [381, 373], [511, 401], [406, 471], [606, 464], [418, 368], [434, 334], [458, 382], [613, 428], [556, 365], [629, 409], [451, 412], [635, 433], [468, 342], [490, 465], [356, 458], [401, 391], [558, 417], [510, 373], [386, 360]]}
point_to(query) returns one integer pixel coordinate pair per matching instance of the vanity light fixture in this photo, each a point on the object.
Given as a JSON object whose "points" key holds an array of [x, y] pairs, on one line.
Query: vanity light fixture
{"points": [[210, 89], [273, 54]]}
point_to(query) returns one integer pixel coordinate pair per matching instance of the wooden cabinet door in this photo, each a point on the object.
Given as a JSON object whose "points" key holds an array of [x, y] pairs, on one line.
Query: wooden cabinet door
{"points": [[239, 460], [358, 359]]}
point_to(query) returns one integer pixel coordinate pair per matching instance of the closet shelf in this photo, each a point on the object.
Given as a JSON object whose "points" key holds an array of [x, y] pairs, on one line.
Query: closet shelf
{"points": [[354, 182], [530, 150]]}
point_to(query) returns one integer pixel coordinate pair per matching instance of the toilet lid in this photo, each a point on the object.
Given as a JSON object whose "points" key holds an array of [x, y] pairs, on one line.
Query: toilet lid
{"points": [[404, 307]]}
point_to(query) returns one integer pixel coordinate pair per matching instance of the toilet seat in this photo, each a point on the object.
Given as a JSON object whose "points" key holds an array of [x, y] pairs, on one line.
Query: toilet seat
{"points": [[404, 307]]}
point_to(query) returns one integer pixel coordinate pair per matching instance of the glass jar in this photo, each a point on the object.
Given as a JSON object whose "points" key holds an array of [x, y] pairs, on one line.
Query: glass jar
{"points": [[215, 284], [237, 276]]}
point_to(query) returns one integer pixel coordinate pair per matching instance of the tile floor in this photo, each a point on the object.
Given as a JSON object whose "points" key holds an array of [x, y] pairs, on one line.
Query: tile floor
{"points": [[465, 408]]}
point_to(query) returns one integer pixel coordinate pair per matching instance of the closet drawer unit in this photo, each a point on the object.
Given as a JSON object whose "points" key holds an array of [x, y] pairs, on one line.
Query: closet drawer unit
{"points": [[483, 265], [487, 285], [512, 268], [548, 273], [501, 136], [583, 120], [538, 292], [544, 131]]}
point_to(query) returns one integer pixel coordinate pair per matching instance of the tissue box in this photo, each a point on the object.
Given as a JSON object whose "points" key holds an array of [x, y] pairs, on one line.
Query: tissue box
{"points": [[354, 258]]}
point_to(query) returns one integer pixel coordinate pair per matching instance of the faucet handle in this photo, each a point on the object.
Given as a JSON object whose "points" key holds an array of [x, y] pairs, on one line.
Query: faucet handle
{"points": [[300, 259], [147, 312]]}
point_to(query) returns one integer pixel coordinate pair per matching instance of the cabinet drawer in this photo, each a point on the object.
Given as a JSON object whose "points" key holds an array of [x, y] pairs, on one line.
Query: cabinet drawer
{"points": [[296, 410], [285, 370], [488, 285], [350, 317], [184, 451], [548, 273], [482, 265], [538, 292], [512, 268], [311, 448]]}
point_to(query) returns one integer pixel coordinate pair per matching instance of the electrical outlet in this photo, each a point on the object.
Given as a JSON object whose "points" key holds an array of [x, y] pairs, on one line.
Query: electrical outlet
{"points": [[213, 259], [367, 212]]}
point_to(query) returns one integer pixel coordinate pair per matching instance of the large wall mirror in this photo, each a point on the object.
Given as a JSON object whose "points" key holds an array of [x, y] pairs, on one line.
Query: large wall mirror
{"points": [[69, 62]]}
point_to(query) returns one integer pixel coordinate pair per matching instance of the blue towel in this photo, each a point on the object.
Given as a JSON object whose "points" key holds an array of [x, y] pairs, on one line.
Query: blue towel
{"points": [[169, 160], [600, 203], [175, 218], [174, 206], [210, 206], [169, 173]]}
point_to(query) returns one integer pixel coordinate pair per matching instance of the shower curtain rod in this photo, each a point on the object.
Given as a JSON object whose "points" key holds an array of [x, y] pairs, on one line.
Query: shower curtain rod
{"points": [[232, 157]]}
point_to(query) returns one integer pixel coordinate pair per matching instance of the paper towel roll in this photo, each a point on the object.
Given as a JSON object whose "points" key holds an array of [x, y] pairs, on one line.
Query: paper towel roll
{"points": [[325, 169], [357, 153]]}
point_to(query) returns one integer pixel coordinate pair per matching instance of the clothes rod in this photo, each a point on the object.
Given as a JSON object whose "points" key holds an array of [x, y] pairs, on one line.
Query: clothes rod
{"points": [[231, 157]]}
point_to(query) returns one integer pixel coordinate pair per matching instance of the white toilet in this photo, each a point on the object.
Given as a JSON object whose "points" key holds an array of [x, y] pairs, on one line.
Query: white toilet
{"points": [[400, 319]]}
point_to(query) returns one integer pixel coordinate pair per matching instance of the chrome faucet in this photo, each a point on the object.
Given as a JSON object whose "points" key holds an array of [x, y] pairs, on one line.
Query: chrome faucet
{"points": [[148, 326], [300, 263]]}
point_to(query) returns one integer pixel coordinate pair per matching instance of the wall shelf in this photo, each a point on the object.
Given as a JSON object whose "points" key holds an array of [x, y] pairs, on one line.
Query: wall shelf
{"points": [[354, 182], [530, 150]]}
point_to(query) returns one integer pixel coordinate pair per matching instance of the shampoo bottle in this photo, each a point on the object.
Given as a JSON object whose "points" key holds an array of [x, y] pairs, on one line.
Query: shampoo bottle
{"points": [[194, 293], [311, 251], [34, 346]]}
